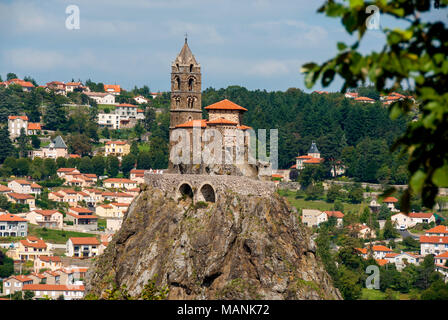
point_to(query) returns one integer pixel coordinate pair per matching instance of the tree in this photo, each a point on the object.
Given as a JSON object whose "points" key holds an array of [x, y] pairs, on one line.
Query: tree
{"points": [[389, 231], [355, 194], [365, 216], [22, 141], [127, 164], [384, 212], [22, 167], [333, 193], [61, 162], [98, 165], [55, 117], [144, 160], [35, 142], [138, 130], [150, 117], [50, 167], [338, 206], [10, 76], [113, 166], [6, 147], [28, 295], [79, 144], [85, 166], [407, 56]]}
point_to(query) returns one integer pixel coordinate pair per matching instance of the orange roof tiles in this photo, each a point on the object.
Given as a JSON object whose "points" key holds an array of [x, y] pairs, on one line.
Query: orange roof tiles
{"points": [[364, 99], [193, 123], [52, 287], [425, 215], [11, 217], [381, 248], [46, 212], [390, 199], [81, 210], [34, 126], [127, 105], [20, 196], [222, 121], [25, 118], [66, 169], [86, 241], [243, 127], [119, 180], [336, 214], [438, 229], [225, 105], [116, 142], [433, 239], [112, 88], [34, 243], [382, 262]]}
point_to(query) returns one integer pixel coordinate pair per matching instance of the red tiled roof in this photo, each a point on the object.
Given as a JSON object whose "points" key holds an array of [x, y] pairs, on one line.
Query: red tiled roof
{"points": [[81, 210], [39, 244], [66, 169], [20, 181], [381, 248], [336, 214], [52, 287], [87, 240], [225, 105], [25, 118], [21, 278], [433, 239], [243, 127], [221, 121], [116, 142], [391, 255], [304, 157], [390, 199], [426, 215], [193, 123], [362, 250], [117, 204], [313, 160], [50, 258], [438, 229], [34, 126], [382, 262], [46, 212], [442, 255], [11, 217], [277, 175], [114, 87], [120, 180], [4, 188], [128, 105], [364, 99], [20, 196]]}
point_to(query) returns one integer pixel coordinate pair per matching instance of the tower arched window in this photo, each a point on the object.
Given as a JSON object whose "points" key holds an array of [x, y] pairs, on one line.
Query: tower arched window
{"points": [[190, 84], [177, 83], [191, 68], [177, 99]]}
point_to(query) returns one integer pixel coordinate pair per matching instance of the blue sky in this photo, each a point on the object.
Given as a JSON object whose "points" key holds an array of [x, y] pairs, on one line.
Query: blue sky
{"points": [[259, 44]]}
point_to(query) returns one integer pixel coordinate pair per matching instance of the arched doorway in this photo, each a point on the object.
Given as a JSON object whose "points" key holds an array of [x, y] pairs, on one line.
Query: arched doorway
{"points": [[186, 191], [207, 193]]}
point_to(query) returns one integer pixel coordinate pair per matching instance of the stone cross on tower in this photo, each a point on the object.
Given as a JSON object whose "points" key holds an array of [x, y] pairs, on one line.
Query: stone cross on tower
{"points": [[185, 88]]}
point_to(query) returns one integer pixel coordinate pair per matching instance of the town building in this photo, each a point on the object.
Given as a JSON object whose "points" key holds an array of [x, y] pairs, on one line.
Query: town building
{"points": [[46, 218], [33, 128], [390, 202], [26, 85], [13, 226], [29, 249], [403, 259], [338, 215], [440, 231], [24, 186], [117, 148], [101, 97], [51, 263], [62, 172], [22, 198], [54, 291], [312, 217], [57, 148], [112, 89], [16, 124], [140, 99], [14, 284], [82, 247], [433, 245], [126, 111], [109, 120], [119, 183], [82, 218]]}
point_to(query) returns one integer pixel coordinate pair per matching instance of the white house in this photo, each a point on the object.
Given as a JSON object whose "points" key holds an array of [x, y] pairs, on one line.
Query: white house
{"points": [[126, 111], [433, 245], [82, 247], [312, 217], [13, 226], [15, 124], [140, 99], [53, 291], [101, 97], [46, 218], [24, 186], [109, 120], [400, 221], [422, 217], [401, 260]]}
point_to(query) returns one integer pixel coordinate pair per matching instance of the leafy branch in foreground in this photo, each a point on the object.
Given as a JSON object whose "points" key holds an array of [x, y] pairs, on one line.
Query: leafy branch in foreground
{"points": [[414, 55]]}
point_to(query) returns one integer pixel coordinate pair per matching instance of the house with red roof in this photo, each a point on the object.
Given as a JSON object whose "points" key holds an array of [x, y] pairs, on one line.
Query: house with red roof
{"points": [[119, 183], [113, 89], [52, 263], [441, 231], [80, 247], [433, 245], [364, 100], [390, 202], [362, 231], [26, 85], [54, 291], [16, 124], [12, 225], [422, 217], [61, 172], [82, 218], [117, 148], [15, 283], [45, 218], [402, 259], [102, 97], [24, 186], [29, 249], [378, 251], [126, 111], [21, 198], [34, 128], [338, 215]]}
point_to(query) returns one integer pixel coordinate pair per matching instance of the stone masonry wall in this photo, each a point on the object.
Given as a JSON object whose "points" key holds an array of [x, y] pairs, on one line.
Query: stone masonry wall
{"points": [[171, 184]]}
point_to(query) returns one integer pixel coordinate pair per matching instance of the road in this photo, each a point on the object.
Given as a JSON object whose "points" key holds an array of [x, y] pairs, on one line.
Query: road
{"points": [[406, 233]]}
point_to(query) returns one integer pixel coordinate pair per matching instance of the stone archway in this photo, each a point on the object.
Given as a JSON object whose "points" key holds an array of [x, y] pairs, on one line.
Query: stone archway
{"points": [[207, 193], [185, 190]]}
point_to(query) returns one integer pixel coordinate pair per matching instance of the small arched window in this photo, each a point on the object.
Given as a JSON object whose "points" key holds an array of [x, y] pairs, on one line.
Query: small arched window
{"points": [[191, 68], [177, 83], [190, 84]]}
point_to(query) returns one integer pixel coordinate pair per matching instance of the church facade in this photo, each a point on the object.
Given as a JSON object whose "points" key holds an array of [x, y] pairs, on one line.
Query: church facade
{"points": [[191, 136]]}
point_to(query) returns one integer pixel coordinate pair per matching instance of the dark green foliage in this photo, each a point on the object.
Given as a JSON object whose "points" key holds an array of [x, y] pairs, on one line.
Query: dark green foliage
{"points": [[6, 265], [113, 166], [6, 147]]}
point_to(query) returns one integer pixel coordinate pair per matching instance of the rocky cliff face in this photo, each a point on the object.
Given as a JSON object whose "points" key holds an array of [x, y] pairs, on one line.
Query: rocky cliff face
{"points": [[241, 247]]}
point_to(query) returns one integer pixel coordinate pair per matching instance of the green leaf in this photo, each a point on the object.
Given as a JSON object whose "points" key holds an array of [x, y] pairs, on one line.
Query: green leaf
{"points": [[342, 46], [356, 4], [417, 181], [395, 112], [440, 176]]}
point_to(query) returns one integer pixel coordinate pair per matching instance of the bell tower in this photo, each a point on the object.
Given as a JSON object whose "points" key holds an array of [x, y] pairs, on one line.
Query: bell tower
{"points": [[186, 104]]}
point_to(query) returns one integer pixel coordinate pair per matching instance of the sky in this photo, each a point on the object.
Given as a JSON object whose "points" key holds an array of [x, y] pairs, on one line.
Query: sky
{"points": [[258, 44]]}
